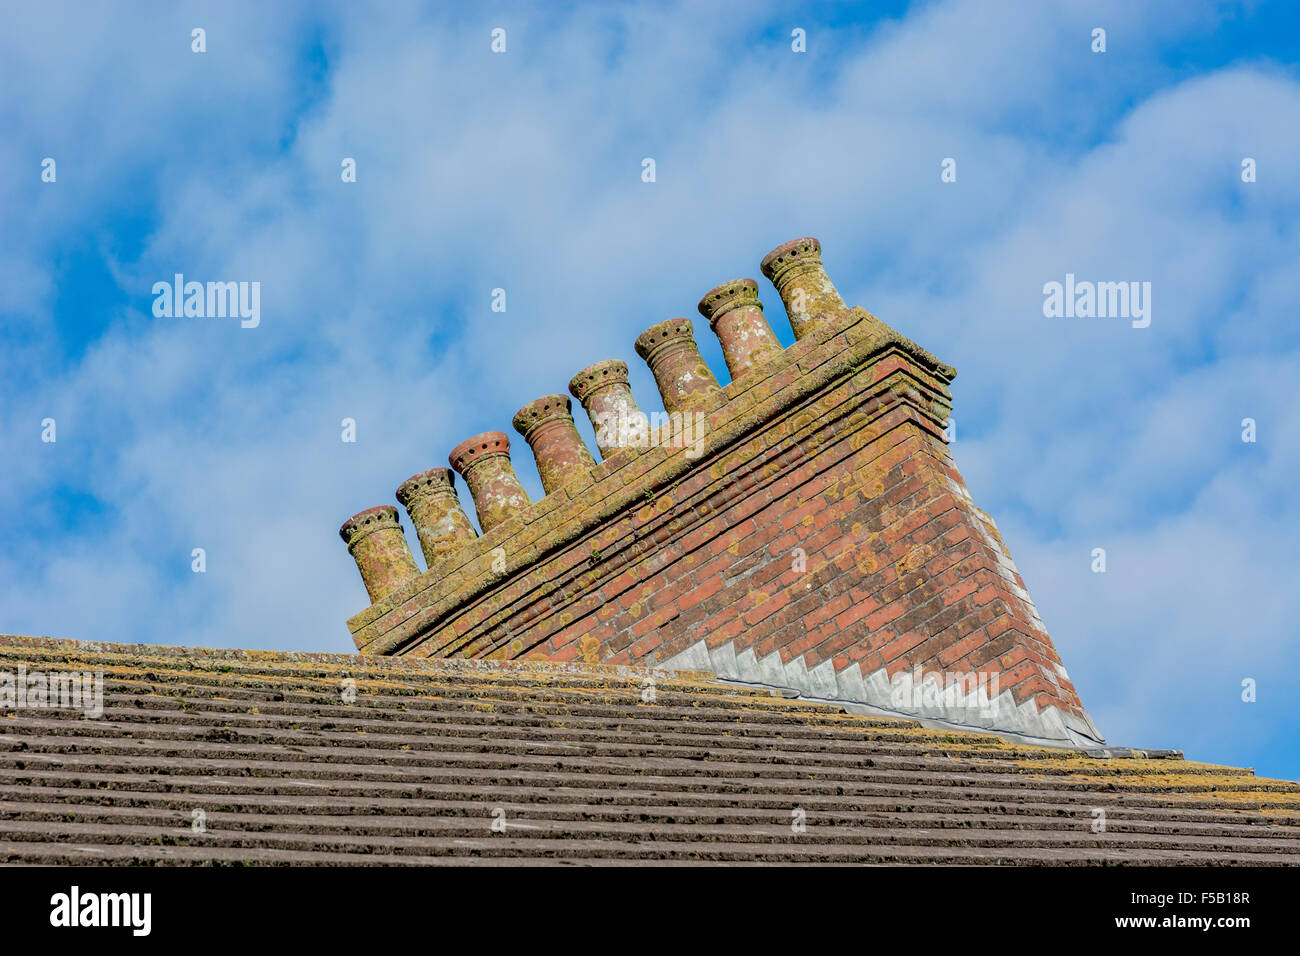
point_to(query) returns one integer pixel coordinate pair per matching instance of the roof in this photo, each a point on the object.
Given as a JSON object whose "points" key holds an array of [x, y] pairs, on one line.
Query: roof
{"points": [[581, 763]]}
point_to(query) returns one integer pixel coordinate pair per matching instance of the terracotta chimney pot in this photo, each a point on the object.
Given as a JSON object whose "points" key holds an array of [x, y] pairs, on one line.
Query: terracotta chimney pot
{"points": [[669, 348], [375, 540], [736, 317], [604, 392], [795, 268], [484, 462], [547, 426], [440, 522]]}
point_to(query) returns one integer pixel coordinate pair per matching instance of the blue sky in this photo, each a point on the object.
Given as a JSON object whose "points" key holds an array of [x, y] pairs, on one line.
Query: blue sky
{"points": [[522, 171]]}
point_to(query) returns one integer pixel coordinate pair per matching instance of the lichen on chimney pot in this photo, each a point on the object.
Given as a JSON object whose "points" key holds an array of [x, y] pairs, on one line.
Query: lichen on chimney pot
{"points": [[684, 381], [795, 268], [547, 426], [375, 540], [440, 522], [604, 392], [484, 462], [736, 317]]}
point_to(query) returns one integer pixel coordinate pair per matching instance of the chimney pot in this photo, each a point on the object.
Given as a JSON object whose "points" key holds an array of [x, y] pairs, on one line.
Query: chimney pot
{"points": [[484, 462], [795, 268], [547, 426], [375, 540], [684, 381], [434, 507], [604, 392], [736, 317]]}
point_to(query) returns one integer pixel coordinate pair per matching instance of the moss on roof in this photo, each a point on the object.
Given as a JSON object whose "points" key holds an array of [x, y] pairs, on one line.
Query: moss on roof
{"points": [[585, 763]]}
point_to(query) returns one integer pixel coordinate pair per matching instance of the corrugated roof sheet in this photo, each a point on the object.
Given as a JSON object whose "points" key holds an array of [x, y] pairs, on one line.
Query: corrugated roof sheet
{"points": [[582, 764]]}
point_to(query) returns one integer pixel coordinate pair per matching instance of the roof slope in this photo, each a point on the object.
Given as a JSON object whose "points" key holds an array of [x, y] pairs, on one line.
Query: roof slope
{"points": [[578, 763]]}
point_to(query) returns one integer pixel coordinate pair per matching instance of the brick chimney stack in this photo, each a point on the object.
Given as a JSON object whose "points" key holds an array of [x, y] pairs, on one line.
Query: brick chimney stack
{"points": [[375, 540], [814, 533], [484, 462]]}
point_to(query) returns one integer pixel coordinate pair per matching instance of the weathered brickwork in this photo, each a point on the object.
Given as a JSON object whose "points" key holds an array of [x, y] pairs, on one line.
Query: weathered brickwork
{"points": [[818, 535]]}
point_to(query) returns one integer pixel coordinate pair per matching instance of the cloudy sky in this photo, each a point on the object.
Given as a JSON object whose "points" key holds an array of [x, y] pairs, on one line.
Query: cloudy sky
{"points": [[522, 171]]}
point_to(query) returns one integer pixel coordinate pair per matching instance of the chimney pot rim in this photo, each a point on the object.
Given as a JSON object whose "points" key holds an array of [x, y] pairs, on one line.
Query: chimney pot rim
{"points": [[723, 298], [596, 375], [478, 447], [789, 251], [659, 333], [376, 514], [437, 479], [539, 410]]}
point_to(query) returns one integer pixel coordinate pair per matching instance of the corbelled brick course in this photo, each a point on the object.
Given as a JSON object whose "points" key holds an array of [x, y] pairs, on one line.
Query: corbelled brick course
{"points": [[815, 533]]}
